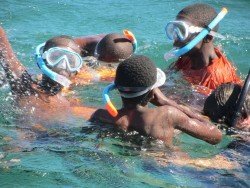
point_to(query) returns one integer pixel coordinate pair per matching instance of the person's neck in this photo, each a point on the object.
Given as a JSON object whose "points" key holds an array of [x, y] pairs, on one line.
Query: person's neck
{"points": [[132, 106], [203, 57]]}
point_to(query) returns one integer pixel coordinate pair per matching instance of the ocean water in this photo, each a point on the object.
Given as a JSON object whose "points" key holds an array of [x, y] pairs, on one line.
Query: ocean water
{"points": [[80, 154]]}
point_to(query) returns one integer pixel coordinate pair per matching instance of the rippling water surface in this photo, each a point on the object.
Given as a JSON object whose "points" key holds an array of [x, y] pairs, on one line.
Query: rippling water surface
{"points": [[79, 154]]}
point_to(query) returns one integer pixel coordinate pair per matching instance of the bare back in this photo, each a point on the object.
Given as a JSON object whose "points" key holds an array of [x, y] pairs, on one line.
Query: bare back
{"points": [[160, 123]]}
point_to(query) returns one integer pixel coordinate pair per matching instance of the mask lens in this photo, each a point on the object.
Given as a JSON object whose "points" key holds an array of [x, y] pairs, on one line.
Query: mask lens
{"points": [[176, 31], [57, 55]]}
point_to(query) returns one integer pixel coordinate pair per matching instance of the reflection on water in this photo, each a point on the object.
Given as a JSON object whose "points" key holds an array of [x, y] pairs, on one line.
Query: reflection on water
{"points": [[76, 153], [100, 155]]}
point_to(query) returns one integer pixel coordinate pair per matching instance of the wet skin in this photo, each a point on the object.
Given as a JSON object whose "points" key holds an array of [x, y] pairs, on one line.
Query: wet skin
{"points": [[32, 99], [203, 53], [160, 122]]}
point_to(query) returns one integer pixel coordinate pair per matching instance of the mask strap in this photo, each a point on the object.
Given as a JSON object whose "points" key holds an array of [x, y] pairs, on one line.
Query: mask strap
{"points": [[108, 104], [132, 38], [241, 100]]}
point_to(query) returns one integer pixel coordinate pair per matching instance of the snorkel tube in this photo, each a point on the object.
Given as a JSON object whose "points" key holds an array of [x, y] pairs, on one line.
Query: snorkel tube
{"points": [[51, 74], [108, 104], [132, 38], [241, 100], [179, 52]]}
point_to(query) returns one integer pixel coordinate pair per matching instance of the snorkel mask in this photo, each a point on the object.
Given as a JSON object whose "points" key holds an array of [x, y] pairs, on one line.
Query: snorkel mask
{"points": [[130, 92], [178, 30], [130, 36], [241, 100], [58, 57]]}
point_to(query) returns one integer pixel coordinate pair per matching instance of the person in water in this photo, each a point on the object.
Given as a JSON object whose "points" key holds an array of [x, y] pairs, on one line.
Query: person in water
{"points": [[137, 80], [221, 106], [102, 53], [200, 62], [59, 59]]}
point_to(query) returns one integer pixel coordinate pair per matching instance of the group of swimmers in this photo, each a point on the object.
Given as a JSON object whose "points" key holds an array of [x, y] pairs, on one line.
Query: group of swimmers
{"points": [[66, 62]]}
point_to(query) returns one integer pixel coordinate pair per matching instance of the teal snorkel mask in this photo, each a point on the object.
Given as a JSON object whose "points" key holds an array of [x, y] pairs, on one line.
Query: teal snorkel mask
{"points": [[60, 57], [180, 31]]}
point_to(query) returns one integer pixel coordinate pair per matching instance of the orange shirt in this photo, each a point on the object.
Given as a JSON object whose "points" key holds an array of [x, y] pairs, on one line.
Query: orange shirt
{"points": [[219, 71], [88, 75]]}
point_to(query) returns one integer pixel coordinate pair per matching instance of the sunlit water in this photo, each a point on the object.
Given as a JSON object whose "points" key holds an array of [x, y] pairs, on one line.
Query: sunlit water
{"points": [[80, 154]]}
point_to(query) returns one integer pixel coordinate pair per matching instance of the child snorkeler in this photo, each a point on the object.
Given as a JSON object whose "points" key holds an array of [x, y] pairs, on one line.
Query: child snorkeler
{"points": [[59, 59], [230, 104], [102, 53], [193, 32], [137, 80]]}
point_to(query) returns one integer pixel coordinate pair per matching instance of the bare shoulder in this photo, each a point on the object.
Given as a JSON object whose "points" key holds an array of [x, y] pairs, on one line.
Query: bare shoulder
{"points": [[102, 115]]}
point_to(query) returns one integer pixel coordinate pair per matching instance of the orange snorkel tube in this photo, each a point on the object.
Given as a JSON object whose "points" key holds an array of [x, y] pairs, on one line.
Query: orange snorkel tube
{"points": [[132, 38], [108, 104]]}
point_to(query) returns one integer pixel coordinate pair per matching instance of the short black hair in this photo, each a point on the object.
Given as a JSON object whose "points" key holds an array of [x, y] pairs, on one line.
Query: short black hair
{"points": [[113, 47], [53, 42], [200, 14], [221, 103], [136, 71]]}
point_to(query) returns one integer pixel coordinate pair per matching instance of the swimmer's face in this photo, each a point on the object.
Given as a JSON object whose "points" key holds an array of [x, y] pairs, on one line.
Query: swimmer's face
{"points": [[179, 43], [72, 46]]}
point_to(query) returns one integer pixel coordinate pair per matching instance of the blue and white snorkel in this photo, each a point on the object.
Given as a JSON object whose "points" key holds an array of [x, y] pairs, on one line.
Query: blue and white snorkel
{"points": [[51, 74], [175, 53]]}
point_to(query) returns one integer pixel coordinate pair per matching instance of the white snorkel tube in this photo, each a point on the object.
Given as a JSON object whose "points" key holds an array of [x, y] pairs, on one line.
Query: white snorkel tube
{"points": [[175, 53]]}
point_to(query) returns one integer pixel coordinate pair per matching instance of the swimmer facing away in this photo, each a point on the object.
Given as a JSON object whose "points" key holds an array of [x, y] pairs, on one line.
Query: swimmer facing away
{"points": [[200, 62], [137, 80], [102, 54], [230, 104], [59, 59]]}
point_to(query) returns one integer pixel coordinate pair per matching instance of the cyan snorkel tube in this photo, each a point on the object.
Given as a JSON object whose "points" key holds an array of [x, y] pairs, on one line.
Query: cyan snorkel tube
{"points": [[51, 74], [108, 104], [241, 100], [175, 53]]}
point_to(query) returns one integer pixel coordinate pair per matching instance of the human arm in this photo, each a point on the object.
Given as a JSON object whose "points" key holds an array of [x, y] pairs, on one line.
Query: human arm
{"points": [[102, 115], [159, 99], [9, 61], [16, 74], [88, 43], [201, 130]]}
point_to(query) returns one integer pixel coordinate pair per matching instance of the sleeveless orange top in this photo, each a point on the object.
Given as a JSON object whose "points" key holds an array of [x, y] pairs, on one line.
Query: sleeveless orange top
{"points": [[219, 71]]}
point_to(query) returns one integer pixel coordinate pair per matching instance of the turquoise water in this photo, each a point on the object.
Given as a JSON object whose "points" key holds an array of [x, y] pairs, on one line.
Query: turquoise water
{"points": [[79, 154]]}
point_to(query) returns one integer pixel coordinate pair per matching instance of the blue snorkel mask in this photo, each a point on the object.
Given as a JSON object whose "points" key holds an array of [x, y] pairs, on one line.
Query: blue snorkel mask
{"points": [[58, 57], [181, 33]]}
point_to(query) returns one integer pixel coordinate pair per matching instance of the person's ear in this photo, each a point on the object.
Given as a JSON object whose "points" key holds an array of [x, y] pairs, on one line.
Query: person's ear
{"points": [[208, 39]]}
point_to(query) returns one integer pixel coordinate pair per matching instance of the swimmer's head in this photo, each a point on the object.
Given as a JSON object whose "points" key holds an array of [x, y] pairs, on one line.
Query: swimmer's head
{"points": [[220, 105], [114, 47], [136, 77], [62, 56], [200, 15], [64, 42]]}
